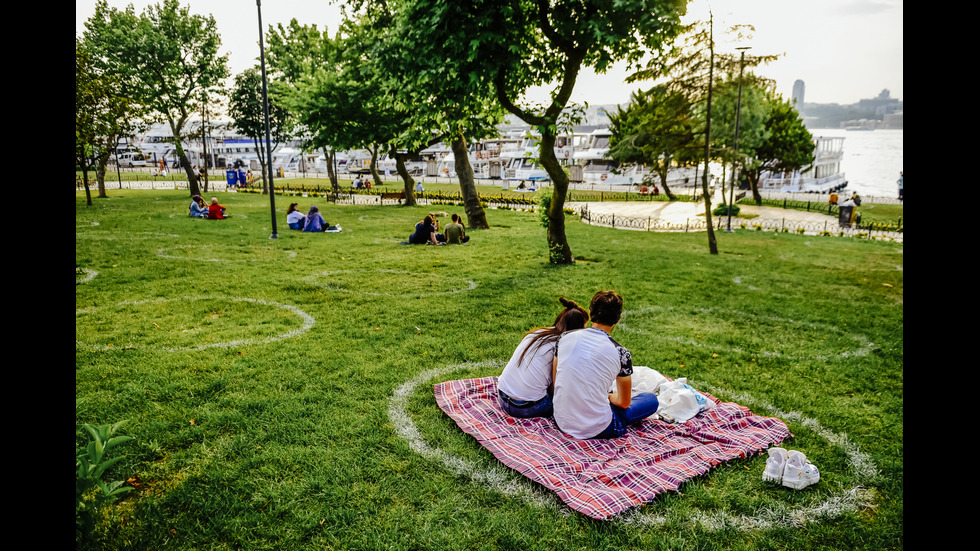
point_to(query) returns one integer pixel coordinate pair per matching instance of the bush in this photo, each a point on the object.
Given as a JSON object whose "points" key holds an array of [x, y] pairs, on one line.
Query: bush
{"points": [[722, 210], [90, 464]]}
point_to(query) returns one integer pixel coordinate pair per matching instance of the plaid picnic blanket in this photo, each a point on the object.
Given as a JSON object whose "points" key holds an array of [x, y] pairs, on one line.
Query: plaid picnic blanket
{"points": [[602, 478]]}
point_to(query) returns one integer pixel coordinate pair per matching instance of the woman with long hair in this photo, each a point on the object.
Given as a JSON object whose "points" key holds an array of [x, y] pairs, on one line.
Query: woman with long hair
{"points": [[294, 217], [525, 386], [425, 231]]}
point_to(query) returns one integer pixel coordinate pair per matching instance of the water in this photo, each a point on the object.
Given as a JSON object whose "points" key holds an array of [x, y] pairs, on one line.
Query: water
{"points": [[872, 159]]}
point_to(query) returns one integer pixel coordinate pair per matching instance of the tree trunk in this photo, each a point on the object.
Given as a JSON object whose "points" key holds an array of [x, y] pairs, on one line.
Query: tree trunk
{"points": [[475, 215], [100, 168], [192, 184], [406, 177], [88, 194], [558, 250], [331, 156], [663, 182], [712, 242], [374, 166], [753, 176]]}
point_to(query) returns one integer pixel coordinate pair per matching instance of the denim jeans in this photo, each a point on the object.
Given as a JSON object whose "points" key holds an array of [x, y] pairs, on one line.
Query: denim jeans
{"points": [[525, 409], [642, 405]]}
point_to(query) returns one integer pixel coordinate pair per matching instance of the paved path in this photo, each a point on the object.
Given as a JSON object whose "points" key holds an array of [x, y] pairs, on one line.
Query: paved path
{"points": [[679, 216], [679, 212]]}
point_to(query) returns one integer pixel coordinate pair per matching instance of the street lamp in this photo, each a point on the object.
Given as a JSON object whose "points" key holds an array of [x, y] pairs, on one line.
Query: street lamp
{"points": [[268, 139], [738, 112]]}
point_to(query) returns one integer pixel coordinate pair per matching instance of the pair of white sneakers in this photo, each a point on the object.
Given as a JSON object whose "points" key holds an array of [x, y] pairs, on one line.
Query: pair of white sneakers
{"points": [[791, 469]]}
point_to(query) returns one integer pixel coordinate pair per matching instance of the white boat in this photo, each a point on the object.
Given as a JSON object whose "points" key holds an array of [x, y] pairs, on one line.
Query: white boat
{"points": [[823, 176], [592, 165]]}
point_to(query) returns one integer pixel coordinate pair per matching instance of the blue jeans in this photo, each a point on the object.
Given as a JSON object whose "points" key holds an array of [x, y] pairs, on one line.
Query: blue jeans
{"points": [[642, 405], [524, 408]]}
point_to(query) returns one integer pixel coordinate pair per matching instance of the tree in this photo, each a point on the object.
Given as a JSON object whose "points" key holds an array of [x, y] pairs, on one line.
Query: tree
{"points": [[247, 109], [787, 147], [166, 55], [294, 52], [344, 105], [752, 113], [103, 115], [440, 84], [516, 44], [653, 130], [690, 70]]}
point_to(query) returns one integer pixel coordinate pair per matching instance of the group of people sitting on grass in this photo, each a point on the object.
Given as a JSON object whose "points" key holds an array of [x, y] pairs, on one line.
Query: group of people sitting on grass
{"points": [[312, 221], [578, 375], [199, 209], [427, 232]]}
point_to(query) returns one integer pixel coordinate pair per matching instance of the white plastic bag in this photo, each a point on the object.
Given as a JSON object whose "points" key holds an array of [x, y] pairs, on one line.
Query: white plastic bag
{"points": [[644, 379], [679, 402]]}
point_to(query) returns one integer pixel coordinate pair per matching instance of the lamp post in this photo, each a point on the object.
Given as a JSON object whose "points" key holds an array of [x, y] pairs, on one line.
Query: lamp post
{"points": [[738, 112], [268, 139]]}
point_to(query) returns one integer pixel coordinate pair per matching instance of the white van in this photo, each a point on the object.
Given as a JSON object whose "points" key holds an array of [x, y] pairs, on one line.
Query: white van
{"points": [[132, 159]]}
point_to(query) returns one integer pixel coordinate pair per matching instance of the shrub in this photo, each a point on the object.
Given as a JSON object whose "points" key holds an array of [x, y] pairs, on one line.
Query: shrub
{"points": [[91, 463], [722, 210]]}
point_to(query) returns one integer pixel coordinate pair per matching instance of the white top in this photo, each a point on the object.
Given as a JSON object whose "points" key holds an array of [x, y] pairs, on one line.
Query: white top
{"points": [[589, 361], [294, 217], [529, 380]]}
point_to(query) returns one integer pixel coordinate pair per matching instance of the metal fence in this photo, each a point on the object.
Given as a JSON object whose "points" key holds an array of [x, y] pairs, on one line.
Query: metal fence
{"points": [[783, 225]]}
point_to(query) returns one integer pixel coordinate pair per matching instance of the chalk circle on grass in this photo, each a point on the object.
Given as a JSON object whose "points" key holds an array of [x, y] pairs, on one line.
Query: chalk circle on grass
{"points": [[123, 235], [772, 336], [505, 481], [396, 283], [84, 275], [235, 253], [188, 323]]}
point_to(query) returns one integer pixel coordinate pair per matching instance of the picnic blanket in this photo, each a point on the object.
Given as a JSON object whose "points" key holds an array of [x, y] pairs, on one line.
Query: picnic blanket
{"points": [[602, 478]]}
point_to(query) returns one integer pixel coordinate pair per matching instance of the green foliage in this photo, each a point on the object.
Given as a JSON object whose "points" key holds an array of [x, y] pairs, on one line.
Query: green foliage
{"points": [[545, 203], [91, 463], [167, 58], [722, 210]]}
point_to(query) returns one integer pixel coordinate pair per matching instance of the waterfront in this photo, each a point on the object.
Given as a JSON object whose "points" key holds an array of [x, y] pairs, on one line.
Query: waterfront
{"points": [[872, 159]]}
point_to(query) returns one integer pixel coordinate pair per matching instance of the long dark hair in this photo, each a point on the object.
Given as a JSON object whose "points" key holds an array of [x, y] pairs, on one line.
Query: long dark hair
{"points": [[572, 317]]}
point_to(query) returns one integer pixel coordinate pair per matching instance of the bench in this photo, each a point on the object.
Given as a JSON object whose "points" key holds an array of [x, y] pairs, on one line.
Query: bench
{"points": [[396, 195]]}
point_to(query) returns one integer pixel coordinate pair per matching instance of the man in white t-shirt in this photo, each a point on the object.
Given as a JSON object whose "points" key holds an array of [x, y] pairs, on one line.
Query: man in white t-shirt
{"points": [[587, 362]]}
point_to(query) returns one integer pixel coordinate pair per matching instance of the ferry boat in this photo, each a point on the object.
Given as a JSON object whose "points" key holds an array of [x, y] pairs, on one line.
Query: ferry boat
{"points": [[592, 165], [823, 176]]}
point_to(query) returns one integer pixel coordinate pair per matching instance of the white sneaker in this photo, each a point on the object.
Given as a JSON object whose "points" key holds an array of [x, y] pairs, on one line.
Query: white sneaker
{"points": [[775, 465], [799, 473]]}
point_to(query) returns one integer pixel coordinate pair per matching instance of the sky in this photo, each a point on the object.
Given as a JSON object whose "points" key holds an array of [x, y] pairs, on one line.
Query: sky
{"points": [[843, 50]]}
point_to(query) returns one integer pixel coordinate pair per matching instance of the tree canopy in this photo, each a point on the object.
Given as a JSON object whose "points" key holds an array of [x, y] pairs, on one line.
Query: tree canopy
{"points": [[517, 44], [167, 55]]}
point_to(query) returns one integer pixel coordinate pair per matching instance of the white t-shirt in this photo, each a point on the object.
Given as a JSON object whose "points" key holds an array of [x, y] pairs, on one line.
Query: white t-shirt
{"points": [[529, 380], [589, 360], [294, 217]]}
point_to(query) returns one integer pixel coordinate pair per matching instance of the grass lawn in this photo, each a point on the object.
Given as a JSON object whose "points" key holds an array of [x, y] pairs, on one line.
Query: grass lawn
{"points": [[257, 376]]}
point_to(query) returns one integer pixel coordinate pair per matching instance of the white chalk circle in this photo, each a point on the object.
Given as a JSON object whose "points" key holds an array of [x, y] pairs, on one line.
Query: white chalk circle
{"points": [[84, 275], [412, 284], [122, 235], [506, 481], [771, 336], [202, 326], [248, 253]]}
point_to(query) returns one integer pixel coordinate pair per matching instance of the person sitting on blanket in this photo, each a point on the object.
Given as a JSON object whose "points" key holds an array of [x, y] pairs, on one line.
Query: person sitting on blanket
{"points": [[586, 363], [198, 209], [425, 232], [314, 221], [524, 387], [294, 217], [216, 211]]}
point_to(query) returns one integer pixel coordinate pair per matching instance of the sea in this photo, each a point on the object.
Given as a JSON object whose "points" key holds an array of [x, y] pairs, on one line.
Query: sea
{"points": [[872, 159]]}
